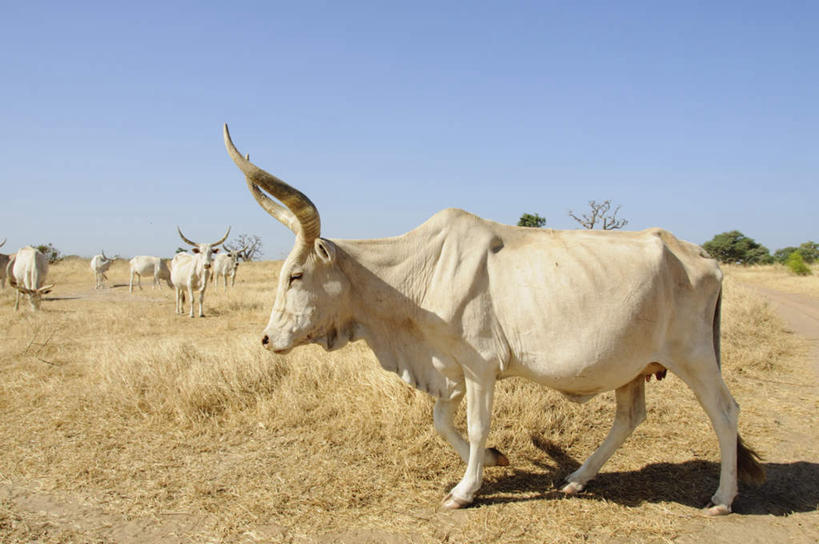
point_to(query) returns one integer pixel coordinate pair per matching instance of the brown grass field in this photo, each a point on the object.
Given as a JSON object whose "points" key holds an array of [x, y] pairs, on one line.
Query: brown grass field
{"points": [[123, 422]]}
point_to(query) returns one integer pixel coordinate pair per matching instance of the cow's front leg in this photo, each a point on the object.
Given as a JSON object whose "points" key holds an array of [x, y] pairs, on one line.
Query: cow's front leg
{"points": [[479, 395], [443, 415], [193, 300], [201, 303]]}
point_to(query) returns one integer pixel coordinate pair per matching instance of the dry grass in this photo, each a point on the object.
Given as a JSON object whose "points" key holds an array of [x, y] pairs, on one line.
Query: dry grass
{"points": [[114, 400], [778, 277]]}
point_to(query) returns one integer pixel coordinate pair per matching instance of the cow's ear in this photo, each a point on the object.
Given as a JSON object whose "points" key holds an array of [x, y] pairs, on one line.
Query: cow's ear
{"points": [[325, 250], [195, 250], [216, 250]]}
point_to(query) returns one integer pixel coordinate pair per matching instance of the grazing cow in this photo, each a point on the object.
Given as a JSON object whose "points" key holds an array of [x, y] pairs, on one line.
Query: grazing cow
{"points": [[144, 265], [191, 271], [4, 261], [226, 265], [100, 265], [460, 301], [27, 271]]}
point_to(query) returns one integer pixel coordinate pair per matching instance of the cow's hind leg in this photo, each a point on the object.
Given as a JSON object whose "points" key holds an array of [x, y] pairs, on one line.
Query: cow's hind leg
{"points": [[443, 417], [631, 411], [706, 382]]}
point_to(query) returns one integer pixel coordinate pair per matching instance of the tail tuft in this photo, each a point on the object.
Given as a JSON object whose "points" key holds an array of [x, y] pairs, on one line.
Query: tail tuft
{"points": [[749, 467]]}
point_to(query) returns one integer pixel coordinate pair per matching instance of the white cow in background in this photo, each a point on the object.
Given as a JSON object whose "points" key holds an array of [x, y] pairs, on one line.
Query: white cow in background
{"points": [[191, 272], [27, 271], [99, 266], [4, 261], [461, 302], [145, 265], [226, 265]]}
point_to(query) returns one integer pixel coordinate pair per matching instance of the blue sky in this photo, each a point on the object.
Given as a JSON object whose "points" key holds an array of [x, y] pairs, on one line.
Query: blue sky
{"points": [[699, 117]]}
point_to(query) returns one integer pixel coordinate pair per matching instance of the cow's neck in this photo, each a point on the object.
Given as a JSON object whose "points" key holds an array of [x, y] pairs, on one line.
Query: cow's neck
{"points": [[387, 282]]}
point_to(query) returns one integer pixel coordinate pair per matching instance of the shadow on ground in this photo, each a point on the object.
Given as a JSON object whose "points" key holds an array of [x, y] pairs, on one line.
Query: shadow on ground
{"points": [[790, 487]]}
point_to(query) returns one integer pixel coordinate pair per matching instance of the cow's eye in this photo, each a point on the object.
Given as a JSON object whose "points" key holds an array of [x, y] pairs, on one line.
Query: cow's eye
{"points": [[295, 276]]}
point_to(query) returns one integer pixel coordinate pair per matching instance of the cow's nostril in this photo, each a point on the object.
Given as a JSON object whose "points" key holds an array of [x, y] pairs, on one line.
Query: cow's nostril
{"points": [[265, 340]]}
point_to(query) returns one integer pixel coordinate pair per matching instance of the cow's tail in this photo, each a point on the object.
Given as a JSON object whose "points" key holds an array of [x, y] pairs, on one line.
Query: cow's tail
{"points": [[716, 328], [749, 467]]}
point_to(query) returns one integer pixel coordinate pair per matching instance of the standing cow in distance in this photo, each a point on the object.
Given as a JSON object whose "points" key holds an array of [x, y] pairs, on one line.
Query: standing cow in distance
{"points": [[226, 265], [27, 271], [4, 261], [191, 272], [145, 265], [100, 265], [460, 302]]}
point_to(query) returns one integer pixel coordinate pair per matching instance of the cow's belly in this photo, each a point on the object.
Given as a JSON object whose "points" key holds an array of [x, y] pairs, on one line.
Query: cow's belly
{"points": [[584, 373], [591, 358]]}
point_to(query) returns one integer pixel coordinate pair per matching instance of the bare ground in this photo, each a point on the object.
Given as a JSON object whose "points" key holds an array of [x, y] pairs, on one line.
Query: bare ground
{"points": [[782, 510]]}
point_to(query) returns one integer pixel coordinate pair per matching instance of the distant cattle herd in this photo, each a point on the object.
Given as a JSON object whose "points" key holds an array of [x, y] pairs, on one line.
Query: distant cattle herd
{"points": [[27, 270]]}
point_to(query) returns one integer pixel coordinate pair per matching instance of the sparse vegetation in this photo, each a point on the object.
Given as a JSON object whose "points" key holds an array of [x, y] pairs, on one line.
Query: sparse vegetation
{"points": [[52, 253], [531, 220], [600, 216]]}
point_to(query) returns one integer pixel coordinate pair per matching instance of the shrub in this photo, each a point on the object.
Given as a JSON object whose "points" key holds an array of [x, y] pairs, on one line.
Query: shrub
{"points": [[52, 253], [797, 264]]}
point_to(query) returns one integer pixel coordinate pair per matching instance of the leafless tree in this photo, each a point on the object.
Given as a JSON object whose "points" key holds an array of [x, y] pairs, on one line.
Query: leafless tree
{"points": [[251, 243], [600, 216]]}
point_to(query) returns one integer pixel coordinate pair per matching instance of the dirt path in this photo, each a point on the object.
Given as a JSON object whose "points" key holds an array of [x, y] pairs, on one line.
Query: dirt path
{"points": [[801, 313]]}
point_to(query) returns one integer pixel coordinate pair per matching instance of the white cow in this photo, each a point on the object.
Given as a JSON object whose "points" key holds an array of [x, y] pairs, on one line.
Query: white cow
{"points": [[4, 261], [226, 265], [27, 271], [191, 272], [144, 265], [460, 302], [99, 266]]}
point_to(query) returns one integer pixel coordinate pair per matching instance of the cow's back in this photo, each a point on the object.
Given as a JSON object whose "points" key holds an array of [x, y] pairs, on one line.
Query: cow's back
{"points": [[30, 268], [182, 271], [144, 264]]}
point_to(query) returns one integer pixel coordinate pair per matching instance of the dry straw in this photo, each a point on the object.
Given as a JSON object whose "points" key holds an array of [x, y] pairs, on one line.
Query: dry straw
{"points": [[113, 401]]}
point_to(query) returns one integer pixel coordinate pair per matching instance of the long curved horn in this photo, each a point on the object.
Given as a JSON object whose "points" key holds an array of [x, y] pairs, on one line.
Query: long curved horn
{"points": [[194, 244], [223, 238], [282, 214], [302, 208], [103, 255], [3, 242]]}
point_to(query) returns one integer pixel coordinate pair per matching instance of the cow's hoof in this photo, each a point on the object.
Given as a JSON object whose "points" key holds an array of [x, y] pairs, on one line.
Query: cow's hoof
{"points": [[572, 488], [713, 510], [451, 502], [500, 459]]}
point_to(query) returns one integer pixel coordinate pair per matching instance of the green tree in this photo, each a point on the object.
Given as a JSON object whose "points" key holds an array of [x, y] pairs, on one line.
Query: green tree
{"points": [[809, 252], [781, 255], [797, 264], [531, 220], [736, 248]]}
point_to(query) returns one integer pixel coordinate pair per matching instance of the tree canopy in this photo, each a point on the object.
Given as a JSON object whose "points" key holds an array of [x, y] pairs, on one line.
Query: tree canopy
{"points": [[736, 248], [531, 220]]}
